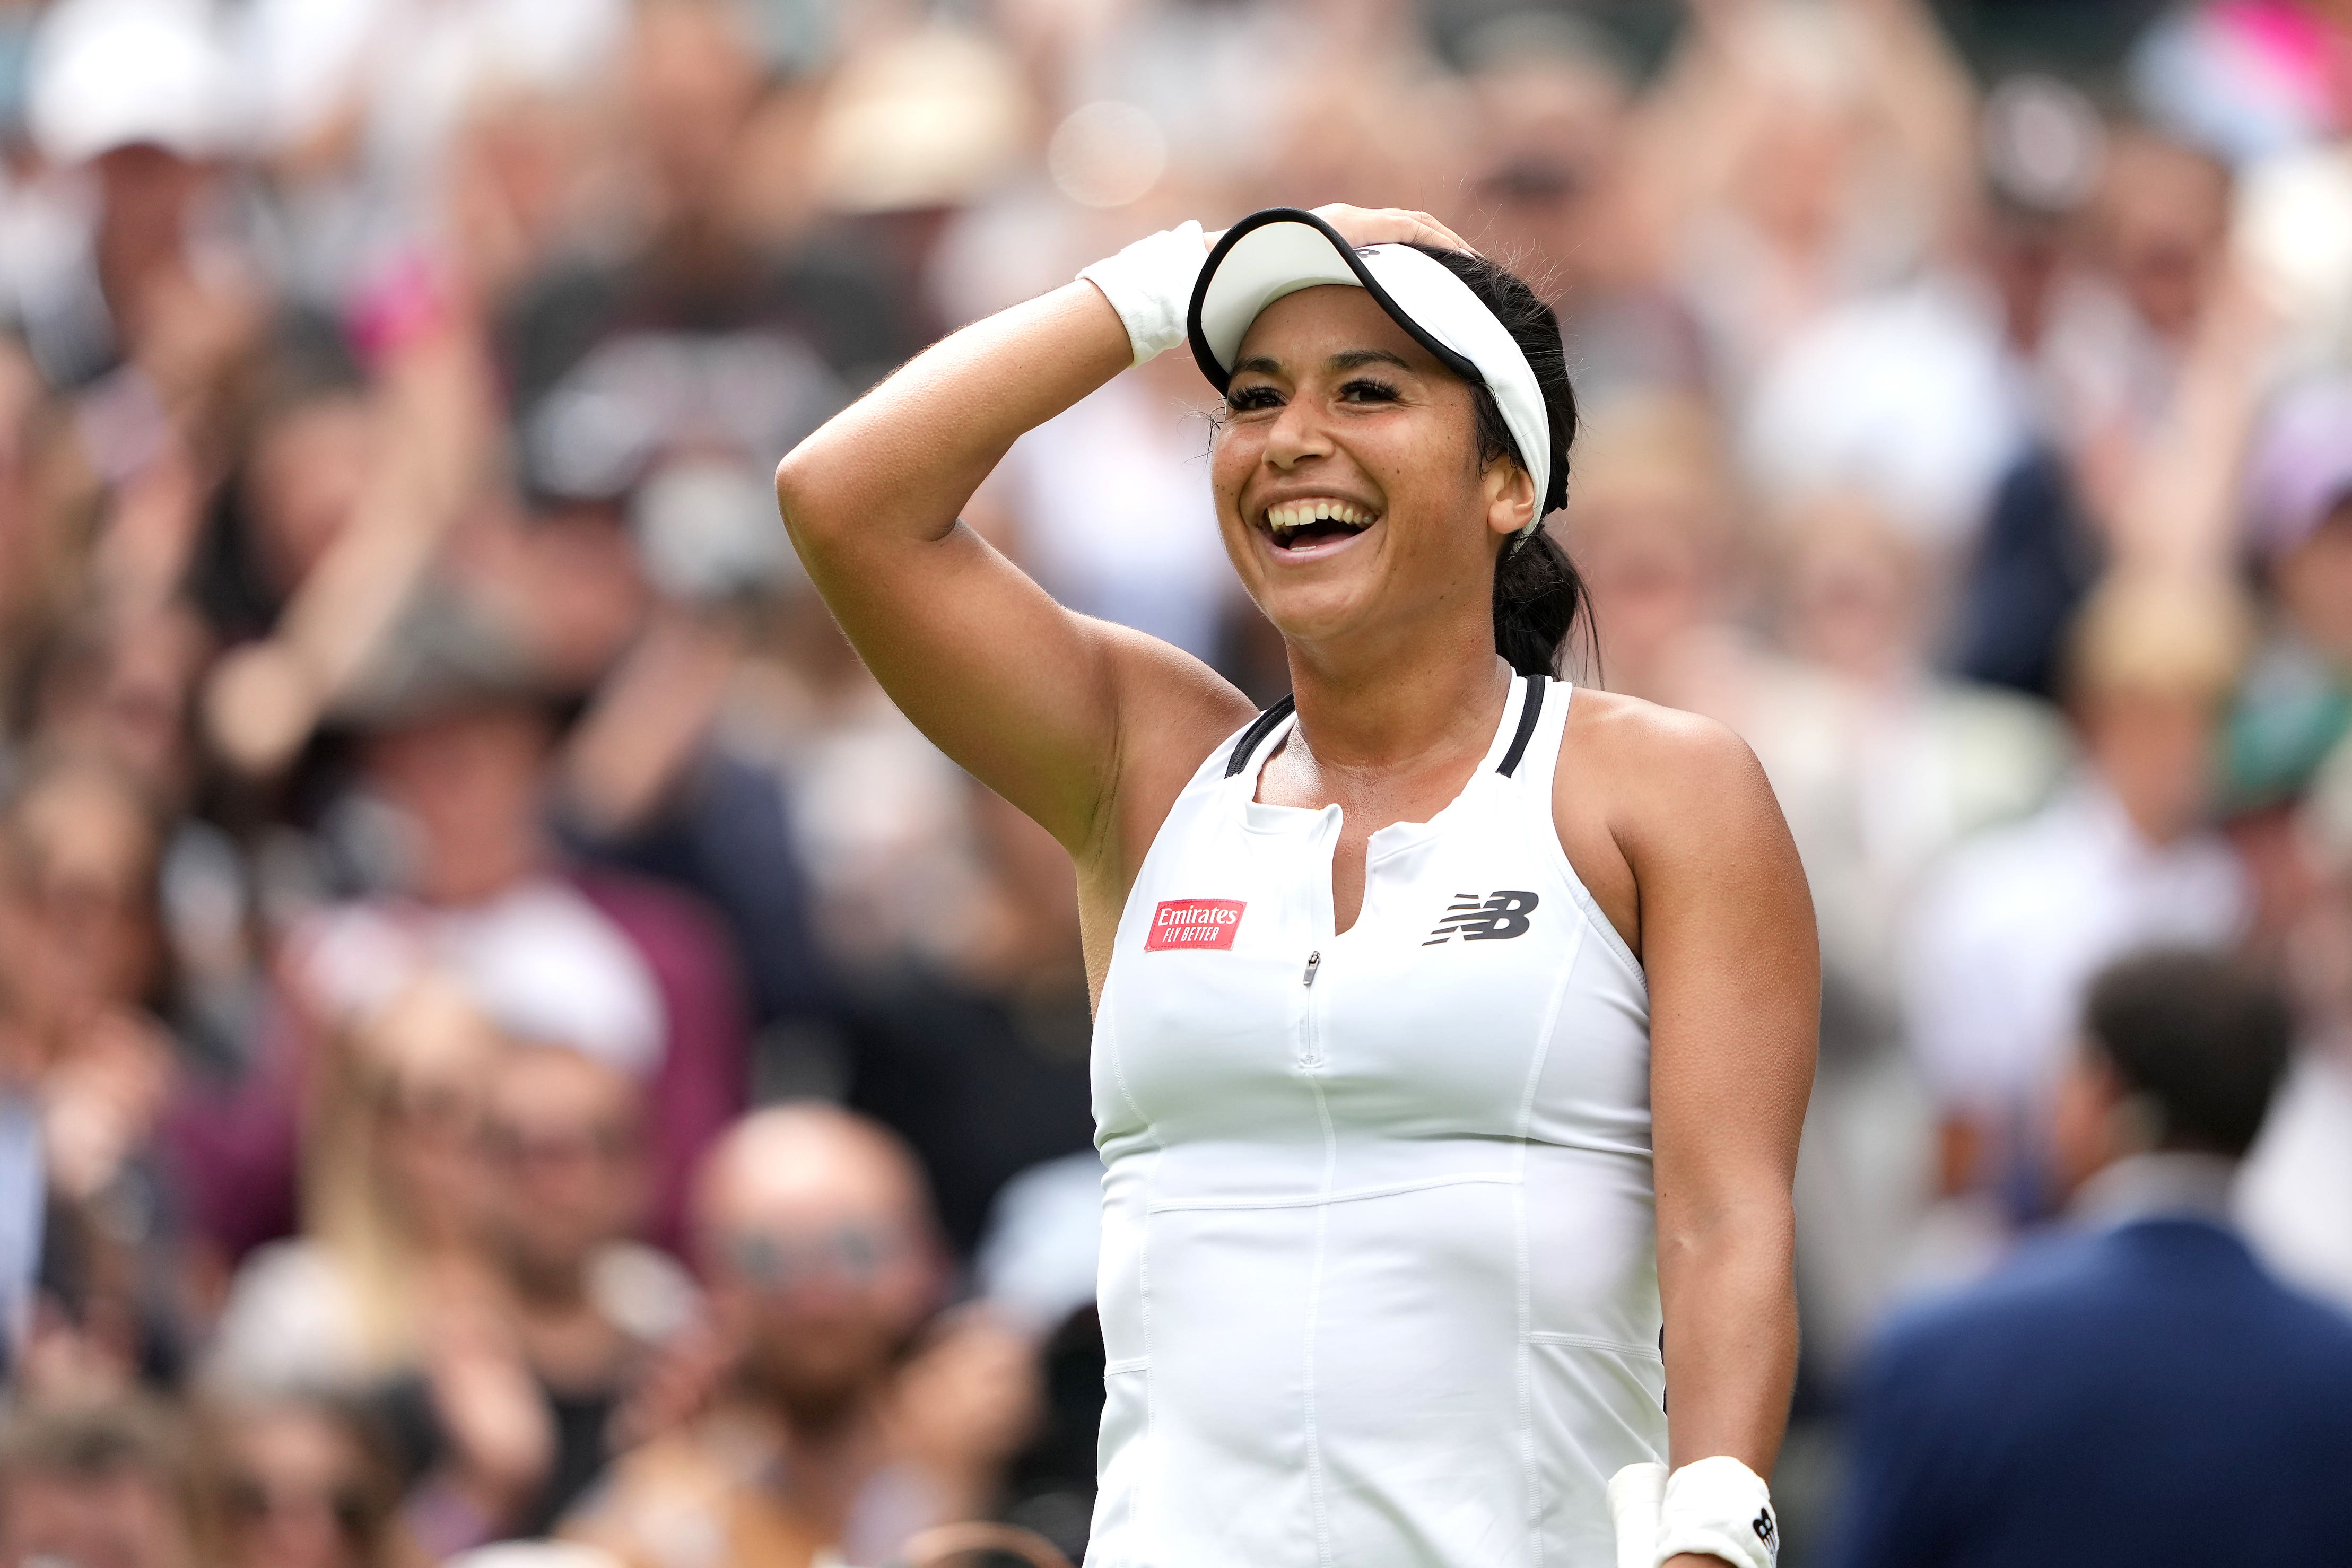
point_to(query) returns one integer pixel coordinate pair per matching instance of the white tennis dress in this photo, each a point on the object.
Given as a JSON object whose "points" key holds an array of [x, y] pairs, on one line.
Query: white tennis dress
{"points": [[1379, 1285]]}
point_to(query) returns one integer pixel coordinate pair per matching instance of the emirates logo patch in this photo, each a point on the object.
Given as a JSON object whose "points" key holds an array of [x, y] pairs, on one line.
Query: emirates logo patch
{"points": [[1194, 923]]}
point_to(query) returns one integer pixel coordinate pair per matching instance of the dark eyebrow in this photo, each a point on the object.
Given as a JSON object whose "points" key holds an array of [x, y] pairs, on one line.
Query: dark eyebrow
{"points": [[1347, 359]]}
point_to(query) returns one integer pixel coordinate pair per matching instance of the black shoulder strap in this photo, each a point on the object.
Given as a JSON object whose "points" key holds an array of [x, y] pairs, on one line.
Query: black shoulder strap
{"points": [[1260, 728], [1530, 712]]}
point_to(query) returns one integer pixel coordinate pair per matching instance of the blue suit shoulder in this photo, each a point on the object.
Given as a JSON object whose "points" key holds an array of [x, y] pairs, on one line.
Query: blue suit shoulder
{"points": [[2145, 1272], [2146, 1393]]}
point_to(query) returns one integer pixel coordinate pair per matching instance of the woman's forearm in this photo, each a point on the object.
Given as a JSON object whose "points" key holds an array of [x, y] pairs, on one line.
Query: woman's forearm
{"points": [[904, 459], [1727, 1285]]}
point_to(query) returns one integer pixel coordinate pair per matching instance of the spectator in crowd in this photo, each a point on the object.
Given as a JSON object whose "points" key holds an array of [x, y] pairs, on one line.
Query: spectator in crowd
{"points": [[564, 1317], [392, 1186], [447, 826], [87, 1068], [1561, 124], [853, 1419], [143, 288], [979, 1062], [2296, 702], [2005, 941], [301, 1482], [100, 1484], [1654, 526], [2296, 1198], [2144, 1391]]}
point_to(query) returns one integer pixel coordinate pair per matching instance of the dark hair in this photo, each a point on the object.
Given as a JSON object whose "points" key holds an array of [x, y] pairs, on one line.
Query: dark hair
{"points": [[1537, 594], [2203, 1035]]}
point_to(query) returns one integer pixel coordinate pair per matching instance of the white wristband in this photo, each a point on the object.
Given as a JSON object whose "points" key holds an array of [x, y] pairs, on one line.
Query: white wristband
{"points": [[1636, 1494], [1149, 284], [1719, 1507]]}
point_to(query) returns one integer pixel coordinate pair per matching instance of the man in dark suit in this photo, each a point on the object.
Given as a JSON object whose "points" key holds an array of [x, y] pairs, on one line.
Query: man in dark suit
{"points": [[2140, 1391]]}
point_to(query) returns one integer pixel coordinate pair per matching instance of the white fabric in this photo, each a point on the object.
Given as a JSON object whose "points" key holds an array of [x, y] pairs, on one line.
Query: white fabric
{"points": [[1281, 258], [2007, 937], [1149, 284], [1378, 1278], [1718, 1507], [1637, 1494]]}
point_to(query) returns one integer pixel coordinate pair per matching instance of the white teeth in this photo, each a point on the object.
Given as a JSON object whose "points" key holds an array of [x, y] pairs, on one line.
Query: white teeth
{"points": [[1288, 517]]}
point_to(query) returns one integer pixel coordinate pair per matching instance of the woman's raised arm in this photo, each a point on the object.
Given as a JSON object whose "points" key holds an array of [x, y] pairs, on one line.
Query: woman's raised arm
{"points": [[1025, 694], [1058, 713]]}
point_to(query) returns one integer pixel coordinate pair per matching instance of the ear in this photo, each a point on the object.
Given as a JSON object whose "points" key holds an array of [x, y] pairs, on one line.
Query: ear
{"points": [[1510, 495], [2087, 1124]]}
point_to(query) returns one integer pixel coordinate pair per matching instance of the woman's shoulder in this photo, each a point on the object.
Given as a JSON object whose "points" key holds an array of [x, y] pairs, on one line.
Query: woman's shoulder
{"points": [[1642, 745], [1664, 783]]}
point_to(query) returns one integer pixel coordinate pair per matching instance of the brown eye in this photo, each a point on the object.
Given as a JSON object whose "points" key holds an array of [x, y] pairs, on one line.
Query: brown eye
{"points": [[1366, 390]]}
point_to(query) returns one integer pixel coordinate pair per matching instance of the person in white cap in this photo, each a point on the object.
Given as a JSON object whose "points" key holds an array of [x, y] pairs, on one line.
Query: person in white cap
{"points": [[131, 106], [1451, 1036]]}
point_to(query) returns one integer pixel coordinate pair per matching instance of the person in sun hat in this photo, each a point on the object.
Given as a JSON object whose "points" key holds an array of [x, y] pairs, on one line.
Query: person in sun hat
{"points": [[1453, 1025]]}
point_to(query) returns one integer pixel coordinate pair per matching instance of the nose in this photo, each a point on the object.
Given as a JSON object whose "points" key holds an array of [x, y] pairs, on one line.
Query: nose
{"points": [[1298, 436]]}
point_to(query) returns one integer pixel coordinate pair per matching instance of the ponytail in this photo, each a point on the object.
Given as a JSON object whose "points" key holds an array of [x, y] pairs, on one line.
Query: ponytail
{"points": [[1538, 597]]}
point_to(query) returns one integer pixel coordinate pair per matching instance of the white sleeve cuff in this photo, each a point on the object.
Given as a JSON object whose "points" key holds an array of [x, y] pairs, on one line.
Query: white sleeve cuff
{"points": [[1149, 284], [1719, 1507]]}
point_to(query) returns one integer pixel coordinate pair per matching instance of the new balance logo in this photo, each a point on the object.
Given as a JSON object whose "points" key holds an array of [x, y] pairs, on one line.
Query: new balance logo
{"points": [[1484, 917]]}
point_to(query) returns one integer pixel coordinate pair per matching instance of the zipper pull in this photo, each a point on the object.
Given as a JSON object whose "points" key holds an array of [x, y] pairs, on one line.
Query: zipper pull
{"points": [[1313, 963]]}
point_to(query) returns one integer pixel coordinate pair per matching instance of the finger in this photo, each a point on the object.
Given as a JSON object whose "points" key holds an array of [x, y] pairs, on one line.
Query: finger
{"points": [[1439, 235]]}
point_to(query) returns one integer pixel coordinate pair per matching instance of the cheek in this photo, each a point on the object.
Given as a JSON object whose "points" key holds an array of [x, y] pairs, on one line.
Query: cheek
{"points": [[1234, 452]]}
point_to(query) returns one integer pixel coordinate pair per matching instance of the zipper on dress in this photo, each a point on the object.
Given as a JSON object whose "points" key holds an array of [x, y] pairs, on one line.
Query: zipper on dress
{"points": [[1310, 1044]]}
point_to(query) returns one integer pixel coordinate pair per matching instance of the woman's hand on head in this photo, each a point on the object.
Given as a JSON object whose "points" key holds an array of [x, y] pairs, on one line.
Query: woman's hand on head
{"points": [[1361, 226]]}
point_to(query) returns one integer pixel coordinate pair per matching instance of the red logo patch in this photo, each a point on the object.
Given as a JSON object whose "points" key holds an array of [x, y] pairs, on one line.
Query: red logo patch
{"points": [[1194, 923]]}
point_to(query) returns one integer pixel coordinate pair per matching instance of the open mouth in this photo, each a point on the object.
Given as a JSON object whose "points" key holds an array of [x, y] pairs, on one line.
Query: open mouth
{"points": [[1317, 520]]}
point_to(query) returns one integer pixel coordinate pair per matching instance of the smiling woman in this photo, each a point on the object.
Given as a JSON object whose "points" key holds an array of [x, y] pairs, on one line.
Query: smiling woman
{"points": [[1449, 304], [1451, 1035]]}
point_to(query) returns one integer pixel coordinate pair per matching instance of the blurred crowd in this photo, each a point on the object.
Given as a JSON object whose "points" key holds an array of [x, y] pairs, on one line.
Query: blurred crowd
{"points": [[506, 1035]]}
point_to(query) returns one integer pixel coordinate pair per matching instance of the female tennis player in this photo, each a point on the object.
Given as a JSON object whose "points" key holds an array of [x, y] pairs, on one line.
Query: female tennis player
{"points": [[1446, 1021]]}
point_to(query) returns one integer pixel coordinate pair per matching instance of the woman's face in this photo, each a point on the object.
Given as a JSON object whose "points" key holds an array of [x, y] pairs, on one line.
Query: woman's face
{"points": [[1346, 475]]}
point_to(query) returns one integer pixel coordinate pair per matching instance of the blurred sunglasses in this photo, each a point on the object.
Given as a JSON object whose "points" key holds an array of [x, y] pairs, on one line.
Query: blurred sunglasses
{"points": [[604, 1143], [772, 1261], [253, 1501]]}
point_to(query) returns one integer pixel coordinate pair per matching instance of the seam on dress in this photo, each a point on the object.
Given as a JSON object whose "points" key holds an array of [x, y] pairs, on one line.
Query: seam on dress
{"points": [[1321, 1512], [1317, 1200], [1610, 936], [1597, 1342], [1531, 1470], [1140, 1497]]}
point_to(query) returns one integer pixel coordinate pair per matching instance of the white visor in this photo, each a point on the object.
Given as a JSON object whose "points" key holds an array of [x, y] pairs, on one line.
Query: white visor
{"points": [[1281, 250]]}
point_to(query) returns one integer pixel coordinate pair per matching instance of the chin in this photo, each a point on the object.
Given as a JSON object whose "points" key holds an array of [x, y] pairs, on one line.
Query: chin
{"points": [[1321, 611]]}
